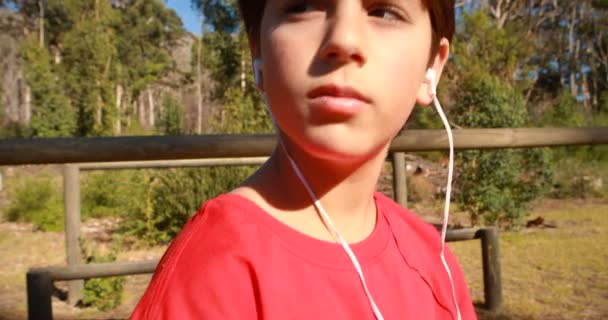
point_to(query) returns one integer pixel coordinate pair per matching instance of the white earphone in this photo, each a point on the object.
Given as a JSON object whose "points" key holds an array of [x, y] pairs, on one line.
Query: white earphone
{"points": [[431, 75], [257, 66], [431, 78]]}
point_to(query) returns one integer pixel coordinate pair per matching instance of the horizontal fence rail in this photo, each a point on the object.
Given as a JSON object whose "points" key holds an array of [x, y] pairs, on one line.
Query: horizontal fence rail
{"points": [[71, 150], [158, 164]]}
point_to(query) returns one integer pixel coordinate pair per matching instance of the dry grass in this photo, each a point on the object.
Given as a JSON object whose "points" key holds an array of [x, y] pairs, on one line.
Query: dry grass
{"points": [[559, 273]]}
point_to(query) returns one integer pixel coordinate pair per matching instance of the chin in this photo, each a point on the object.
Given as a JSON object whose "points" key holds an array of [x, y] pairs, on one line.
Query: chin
{"points": [[343, 149]]}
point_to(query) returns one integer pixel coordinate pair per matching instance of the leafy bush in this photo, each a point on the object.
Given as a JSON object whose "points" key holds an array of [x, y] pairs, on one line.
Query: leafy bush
{"points": [[113, 193], [38, 201], [54, 115], [497, 186], [579, 178], [171, 120], [174, 195], [566, 112], [102, 293]]}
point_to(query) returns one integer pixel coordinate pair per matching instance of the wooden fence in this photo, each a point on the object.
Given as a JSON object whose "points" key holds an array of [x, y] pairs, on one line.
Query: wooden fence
{"points": [[144, 149], [74, 150]]}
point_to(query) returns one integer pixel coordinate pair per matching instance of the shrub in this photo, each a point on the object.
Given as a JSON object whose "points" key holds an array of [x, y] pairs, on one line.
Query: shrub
{"points": [[113, 193], [171, 120], [497, 186], [579, 178], [102, 293], [175, 194], [38, 201]]}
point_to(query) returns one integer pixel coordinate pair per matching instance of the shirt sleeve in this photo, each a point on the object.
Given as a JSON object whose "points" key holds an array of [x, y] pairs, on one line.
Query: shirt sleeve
{"points": [[201, 276]]}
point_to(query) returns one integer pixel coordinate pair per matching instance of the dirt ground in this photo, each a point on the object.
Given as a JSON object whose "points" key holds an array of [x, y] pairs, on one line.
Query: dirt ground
{"points": [[22, 248], [555, 272]]}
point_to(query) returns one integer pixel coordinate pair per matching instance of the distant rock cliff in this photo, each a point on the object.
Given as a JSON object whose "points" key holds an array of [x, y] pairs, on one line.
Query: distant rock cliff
{"points": [[14, 93]]}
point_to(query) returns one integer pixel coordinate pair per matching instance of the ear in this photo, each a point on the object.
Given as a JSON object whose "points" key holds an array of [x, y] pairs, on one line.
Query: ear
{"points": [[424, 97]]}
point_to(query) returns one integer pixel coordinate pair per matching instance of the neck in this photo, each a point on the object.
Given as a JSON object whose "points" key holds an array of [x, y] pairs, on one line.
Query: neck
{"points": [[344, 190]]}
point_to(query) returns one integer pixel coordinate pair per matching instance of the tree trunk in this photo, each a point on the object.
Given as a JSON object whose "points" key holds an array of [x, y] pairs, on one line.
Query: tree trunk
{"points": [[41, 21], [141, 112], [27, 105], [119, 113], [151, 113], [98, 112], [571, 51], [199, 92]]}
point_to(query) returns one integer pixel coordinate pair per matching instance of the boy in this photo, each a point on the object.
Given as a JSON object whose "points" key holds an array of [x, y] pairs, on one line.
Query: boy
{"points": [[340, 78]]}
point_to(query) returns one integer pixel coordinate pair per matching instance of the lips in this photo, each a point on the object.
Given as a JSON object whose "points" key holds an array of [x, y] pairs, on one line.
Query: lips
{"points": [[336, 101]]}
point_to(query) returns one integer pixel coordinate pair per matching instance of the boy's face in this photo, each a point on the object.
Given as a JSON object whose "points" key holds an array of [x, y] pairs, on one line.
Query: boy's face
{"points": [[342, 76]]}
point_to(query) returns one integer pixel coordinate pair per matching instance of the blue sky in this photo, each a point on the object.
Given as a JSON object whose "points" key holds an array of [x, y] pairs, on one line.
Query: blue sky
{"points": [[188, 15]]}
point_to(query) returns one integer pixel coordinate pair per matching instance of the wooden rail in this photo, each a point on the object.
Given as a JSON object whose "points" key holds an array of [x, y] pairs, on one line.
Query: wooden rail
{"points": [[73, 150], [40, 280], [215, 150]]}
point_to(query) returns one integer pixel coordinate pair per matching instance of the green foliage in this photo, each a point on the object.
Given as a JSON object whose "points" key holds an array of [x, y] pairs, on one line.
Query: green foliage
{"points": [[52, 114], [482, 46], [565, 113], [171, 120], [579, 178], [39, 202], [221, 57], [102, 293], [604, 102], [220, 15], [178, 193], [113, 193], [97, 46], [87, 63], [243, 113], [175, 194], [497, 186], [145, 32]]}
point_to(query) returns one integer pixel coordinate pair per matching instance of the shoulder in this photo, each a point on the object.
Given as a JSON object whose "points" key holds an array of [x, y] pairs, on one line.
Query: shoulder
{"points": [[420, 245], [220, 228], [207, 263]]}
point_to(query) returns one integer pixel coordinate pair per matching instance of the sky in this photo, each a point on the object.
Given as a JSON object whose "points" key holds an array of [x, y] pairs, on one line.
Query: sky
{"points": [[189, 16]]}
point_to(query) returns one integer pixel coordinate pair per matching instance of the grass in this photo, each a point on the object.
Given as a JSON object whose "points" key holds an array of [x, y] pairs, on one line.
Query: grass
{"points": [[559, 273]]}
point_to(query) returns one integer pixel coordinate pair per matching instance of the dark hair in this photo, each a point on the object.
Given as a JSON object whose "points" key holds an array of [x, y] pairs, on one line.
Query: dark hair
{"points": [[441, 12]]}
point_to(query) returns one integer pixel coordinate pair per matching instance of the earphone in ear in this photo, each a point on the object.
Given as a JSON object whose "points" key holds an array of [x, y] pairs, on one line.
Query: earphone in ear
{"points": [[431, 76], [257, 66]]}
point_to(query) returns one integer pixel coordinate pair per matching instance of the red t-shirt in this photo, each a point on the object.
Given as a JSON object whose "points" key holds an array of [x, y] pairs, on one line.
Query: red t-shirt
{"points": [[233, 260]]}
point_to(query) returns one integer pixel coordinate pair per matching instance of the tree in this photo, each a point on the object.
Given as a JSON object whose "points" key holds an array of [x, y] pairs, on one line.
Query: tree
{"points": [[221, 15], [88, 60], [53, 115]]}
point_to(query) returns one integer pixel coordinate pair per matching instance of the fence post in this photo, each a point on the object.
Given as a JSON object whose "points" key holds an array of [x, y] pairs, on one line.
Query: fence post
{"points": [[39, 293], [492, 285], [71, 198], [399, 178]]}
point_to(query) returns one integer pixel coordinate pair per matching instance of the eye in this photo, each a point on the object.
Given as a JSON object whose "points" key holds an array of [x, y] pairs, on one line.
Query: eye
{"points": [[386, 12], [297, 8]]}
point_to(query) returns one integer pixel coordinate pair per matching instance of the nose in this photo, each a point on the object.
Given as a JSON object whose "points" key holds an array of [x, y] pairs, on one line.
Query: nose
{"points": [[344, 41]]}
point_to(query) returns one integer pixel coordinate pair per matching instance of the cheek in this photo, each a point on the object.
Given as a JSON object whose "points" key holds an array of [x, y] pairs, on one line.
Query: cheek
{"points": [[403, 79]]}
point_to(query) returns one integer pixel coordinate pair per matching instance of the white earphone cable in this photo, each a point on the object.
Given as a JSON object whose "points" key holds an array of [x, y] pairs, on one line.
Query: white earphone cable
{"points": [[334, 231], [332, 228], [448, 191]]}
